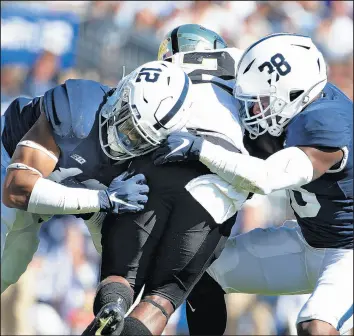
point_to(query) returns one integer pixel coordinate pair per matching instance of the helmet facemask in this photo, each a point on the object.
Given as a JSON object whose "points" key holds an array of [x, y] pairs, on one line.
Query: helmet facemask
{"points": [[261, 113], [147, 105], [122, 136]]}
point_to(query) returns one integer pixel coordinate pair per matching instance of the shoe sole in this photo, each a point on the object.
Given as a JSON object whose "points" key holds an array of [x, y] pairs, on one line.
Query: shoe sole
{"points": [[108, 321]]}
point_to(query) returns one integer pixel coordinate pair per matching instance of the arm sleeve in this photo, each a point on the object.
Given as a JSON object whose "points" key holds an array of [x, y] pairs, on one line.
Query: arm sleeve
{"points": [[287, 168], [51, 198]]}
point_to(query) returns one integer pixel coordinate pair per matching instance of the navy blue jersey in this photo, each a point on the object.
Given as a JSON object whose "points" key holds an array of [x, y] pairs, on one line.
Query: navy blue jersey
{"points": [[72, 111], [324, 207], [20, 116]]}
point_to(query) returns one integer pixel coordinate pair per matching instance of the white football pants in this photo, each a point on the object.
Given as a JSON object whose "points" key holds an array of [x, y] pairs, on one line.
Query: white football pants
{"points": [[278, 261]]}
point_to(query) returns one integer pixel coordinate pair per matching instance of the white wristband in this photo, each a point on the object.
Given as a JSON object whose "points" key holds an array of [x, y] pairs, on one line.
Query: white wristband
{"points": [[52, 198]]}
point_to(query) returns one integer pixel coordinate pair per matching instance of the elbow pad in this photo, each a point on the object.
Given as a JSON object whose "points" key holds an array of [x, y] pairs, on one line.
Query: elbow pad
{"points": [[287, 168]]}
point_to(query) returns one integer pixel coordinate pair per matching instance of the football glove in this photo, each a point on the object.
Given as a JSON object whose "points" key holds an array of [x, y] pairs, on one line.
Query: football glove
{"points": [[126, 193], [179, 146]]}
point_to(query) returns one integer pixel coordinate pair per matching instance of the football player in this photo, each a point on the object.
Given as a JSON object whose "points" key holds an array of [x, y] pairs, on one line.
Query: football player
{"points": [[211, 65], [170, 244], [59, 153], [281, 82]]}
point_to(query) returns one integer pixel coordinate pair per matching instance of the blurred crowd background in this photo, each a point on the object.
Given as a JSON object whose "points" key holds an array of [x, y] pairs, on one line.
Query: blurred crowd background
{"points": [[43, 43]]}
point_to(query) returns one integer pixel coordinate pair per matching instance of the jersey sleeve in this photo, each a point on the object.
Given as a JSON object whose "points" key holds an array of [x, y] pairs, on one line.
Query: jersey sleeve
{"points": [[19, 117], [324, 125]]}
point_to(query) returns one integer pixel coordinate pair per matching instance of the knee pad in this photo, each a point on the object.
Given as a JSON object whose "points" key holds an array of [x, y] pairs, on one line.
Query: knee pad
{"points": [[113, 292]]}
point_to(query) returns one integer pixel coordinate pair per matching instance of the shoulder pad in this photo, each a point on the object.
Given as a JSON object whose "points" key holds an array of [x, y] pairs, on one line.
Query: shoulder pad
{"points": [[71, 108], [324, 123]]}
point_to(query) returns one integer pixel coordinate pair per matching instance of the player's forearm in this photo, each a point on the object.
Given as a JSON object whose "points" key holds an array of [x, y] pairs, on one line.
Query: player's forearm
{"points": [[42, 196], [48, 197], [285, 169]]}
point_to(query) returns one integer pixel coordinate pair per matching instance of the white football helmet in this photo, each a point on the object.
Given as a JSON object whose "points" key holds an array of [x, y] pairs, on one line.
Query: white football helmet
{"points": [[276, 78], [147, 105]]}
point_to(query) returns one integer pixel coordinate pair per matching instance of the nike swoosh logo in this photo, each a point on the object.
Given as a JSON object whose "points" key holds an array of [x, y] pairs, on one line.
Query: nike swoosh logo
{"points": [[190, 306], [114, 198], [185, 143]]}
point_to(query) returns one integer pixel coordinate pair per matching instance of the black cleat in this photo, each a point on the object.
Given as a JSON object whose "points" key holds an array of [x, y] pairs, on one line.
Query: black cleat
{"points": [[109, 320]]}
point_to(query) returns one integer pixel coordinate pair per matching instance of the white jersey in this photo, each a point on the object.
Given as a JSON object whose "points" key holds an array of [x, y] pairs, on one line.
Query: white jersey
{"points": [[215, 117], [215, 110]]}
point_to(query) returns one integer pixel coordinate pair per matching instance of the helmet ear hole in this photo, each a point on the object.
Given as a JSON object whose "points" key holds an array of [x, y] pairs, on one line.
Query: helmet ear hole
{"points": [[295, 94]]}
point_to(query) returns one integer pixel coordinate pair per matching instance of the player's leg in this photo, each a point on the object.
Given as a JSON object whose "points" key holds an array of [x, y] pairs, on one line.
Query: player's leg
{"points": [[128, 244], [7, 215], [21, 242], [19, 237], [329, 310], [189, 244], [198, 312], [264, 261]]}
